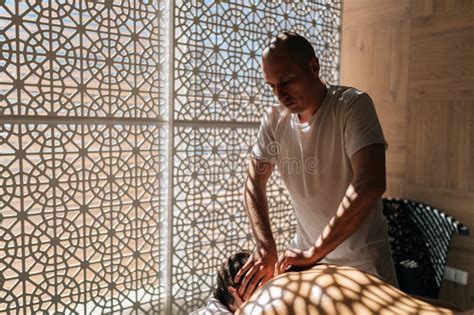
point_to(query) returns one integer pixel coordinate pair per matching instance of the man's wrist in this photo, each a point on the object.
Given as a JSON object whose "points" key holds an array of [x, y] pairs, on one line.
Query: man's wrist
{"points": [[268, 248], [313, 252]]}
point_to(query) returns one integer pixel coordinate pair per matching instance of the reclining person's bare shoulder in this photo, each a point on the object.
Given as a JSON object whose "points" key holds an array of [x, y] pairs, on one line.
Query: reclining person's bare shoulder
{"points": [[330, 289]]}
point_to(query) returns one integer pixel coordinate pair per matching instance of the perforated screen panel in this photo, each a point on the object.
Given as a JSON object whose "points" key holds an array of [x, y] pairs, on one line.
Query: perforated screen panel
{"points": [[81, 138], [219, 97], [125, 129]]}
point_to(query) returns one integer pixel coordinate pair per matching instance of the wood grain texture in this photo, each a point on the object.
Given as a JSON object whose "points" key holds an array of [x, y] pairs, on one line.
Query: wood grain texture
{"points": [[416, 60], [371, 12], [374, 54], [442, 56], [440, 143], [457, 293]]}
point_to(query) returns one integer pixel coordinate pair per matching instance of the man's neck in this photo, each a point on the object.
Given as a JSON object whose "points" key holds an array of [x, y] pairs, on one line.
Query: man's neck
{"points": [[321, 92]]}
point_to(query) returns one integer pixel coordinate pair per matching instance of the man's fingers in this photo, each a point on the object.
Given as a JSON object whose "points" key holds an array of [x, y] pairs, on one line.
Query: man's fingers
{"points": [[282, 267], [281, 259], [248, 276], [249, 263], [279, 263], [251, 287], [285, 264], [264, 280]]}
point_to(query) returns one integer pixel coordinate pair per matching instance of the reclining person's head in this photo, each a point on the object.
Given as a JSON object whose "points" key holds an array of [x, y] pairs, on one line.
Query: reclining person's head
{"points": [[226, 288]]}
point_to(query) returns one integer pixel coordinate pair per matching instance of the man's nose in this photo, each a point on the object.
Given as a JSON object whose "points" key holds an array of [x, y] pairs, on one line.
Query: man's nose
{"points": [[280, 93]]}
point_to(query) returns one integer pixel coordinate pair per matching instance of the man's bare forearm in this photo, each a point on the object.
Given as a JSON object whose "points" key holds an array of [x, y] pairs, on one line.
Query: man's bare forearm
{"points": [[352, 211], [256, 204], [260, 266]]}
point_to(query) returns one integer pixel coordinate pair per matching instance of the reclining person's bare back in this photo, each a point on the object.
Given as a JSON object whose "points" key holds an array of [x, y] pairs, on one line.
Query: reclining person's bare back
{"points": [[330, 289]]}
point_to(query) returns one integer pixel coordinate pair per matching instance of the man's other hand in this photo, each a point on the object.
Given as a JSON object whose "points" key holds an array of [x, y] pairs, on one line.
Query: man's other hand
{"points": [[256, 272], [295, 258]]}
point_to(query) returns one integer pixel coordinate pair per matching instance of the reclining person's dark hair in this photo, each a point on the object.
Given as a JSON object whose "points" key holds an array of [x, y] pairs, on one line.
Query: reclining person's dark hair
{"points": [[225, 277]]}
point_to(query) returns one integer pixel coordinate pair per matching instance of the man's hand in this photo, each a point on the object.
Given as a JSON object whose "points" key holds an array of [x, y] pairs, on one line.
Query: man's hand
{"points": [[256, 272], [295, 258]]}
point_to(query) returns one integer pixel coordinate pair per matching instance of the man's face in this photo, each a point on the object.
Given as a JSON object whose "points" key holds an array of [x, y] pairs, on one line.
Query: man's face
{"points": [[292, 83]]}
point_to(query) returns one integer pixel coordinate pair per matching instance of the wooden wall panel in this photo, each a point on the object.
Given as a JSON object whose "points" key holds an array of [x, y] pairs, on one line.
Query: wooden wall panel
{"points": [[375, 49], [440, 123], [471, 171], [442, 56], [416, 59], [439, 144], [360, 12], [457, 293]]}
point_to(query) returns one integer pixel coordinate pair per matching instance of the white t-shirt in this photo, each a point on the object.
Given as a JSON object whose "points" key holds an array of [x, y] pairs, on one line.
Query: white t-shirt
{"points": [[313, 159]]}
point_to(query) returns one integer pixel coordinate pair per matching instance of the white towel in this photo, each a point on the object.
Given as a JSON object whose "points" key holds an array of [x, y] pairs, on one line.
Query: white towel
{"points": [[213, 307]]}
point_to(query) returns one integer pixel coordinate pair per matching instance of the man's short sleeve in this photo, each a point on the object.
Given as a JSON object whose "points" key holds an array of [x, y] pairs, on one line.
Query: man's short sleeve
{"points": [[362, 127], [266, 148]]}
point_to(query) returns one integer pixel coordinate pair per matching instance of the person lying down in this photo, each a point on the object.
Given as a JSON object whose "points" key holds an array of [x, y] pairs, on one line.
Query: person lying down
{"points": [[322, 289]]}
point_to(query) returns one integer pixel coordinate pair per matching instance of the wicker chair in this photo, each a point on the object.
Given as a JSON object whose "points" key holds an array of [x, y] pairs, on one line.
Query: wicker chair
{"points": [[419, 240]]}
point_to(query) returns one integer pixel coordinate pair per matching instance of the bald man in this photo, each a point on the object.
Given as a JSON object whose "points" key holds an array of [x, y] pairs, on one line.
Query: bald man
{"points": [[329, 148]]}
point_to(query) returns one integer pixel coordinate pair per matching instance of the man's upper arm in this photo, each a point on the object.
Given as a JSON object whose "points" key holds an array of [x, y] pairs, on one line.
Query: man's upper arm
{"points": [[361, 125], [265, 145], [259, 171], [368, 166]]}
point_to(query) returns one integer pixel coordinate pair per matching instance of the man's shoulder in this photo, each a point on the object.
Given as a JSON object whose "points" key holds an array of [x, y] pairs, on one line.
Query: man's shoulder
{"points": [[346, 95]]}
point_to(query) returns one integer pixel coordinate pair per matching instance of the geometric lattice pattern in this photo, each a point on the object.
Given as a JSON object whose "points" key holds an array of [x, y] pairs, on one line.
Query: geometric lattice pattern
{"points": [[81, 138], [219, 97], [93, 218], [218, 49]]}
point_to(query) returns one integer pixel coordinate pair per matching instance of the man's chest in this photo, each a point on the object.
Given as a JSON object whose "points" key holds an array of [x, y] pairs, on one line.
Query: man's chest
{"points": [[312, 152]]}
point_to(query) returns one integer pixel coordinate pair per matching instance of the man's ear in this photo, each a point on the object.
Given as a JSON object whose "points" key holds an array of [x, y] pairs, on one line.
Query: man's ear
{"points": [[314, 64]]}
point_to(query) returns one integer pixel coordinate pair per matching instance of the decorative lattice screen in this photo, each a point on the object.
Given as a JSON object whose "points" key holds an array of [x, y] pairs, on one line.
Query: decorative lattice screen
{"points": [[124, 138], [81, 139], [219, 96]]}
